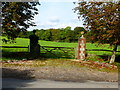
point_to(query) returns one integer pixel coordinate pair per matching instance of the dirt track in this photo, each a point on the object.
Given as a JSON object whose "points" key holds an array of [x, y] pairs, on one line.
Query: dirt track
{"points": [[58, 73]]}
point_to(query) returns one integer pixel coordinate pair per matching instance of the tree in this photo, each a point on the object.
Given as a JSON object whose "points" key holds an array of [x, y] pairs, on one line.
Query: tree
{"points": [[77, 32], [55, 34], [67, 28], [66, 33], [102, 19], [70, 36], [40, 34], [17, 16], [47, 35], [62, 35]]}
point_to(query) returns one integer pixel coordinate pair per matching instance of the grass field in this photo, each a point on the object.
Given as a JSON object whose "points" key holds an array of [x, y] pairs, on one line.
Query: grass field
{"points": [[25, 42], [95, 56]]}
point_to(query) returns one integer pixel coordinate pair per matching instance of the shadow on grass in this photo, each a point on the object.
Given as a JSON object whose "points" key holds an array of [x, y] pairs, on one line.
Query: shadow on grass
{"points": [[15, 55], [7, 55], [57, 55], [107, 57], [117, 59]]}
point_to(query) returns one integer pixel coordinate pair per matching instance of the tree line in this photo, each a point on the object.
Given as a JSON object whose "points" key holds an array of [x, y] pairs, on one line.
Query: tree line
{"points": [[57, 35]]}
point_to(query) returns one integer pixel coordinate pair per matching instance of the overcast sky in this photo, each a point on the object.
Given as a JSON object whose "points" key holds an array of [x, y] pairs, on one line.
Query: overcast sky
{"points": [[56, 14]]}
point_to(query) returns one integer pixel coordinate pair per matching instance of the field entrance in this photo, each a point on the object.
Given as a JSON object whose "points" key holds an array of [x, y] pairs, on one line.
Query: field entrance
{"points": [[49, 49], [19, 52]]}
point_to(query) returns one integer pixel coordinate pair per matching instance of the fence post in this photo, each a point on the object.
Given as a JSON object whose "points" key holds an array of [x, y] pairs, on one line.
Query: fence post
{"points": [[81, 50]]}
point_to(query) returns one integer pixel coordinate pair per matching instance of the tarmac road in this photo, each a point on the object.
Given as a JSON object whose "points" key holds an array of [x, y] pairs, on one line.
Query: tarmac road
{"points": [[42, 83]]}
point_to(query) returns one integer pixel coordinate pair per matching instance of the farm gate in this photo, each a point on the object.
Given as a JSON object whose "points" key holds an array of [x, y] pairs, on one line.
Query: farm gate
{"points": [[47, 51]]}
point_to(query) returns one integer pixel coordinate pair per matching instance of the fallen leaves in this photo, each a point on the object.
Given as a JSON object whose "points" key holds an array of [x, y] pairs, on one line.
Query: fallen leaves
{"points": [[97, 65]]}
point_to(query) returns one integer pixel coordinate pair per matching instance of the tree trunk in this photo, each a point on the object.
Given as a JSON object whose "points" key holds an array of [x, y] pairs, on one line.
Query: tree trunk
{"points": [[113, 54]]}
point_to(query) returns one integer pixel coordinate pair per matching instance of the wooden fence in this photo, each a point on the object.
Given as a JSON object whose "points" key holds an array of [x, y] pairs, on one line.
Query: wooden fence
{"points": [[51, 50], [100, 50], [12, 47]]}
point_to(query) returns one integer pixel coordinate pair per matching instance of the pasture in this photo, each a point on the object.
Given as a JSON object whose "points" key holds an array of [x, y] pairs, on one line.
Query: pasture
{"points": [[25, 42]]}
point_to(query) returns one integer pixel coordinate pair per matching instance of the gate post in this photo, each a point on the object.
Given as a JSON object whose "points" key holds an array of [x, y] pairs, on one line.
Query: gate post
{"points": [[81, 50]]}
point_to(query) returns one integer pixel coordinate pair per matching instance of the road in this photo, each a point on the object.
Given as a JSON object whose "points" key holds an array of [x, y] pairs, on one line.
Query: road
{"points": [[42, 83]]}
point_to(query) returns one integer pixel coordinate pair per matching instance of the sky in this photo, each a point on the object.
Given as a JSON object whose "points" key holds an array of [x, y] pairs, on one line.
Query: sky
{"points": [[56, 14]]}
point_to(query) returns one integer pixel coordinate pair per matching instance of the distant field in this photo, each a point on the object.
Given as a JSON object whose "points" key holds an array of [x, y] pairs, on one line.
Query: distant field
{"points": [[25, 42]]}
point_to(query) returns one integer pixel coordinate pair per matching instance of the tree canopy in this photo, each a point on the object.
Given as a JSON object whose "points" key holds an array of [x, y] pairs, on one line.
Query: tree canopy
{"points": [[102, 19], [17, 16]]}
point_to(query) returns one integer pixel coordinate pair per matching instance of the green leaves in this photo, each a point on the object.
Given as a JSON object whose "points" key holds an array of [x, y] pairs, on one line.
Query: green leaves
{"points": [[102, 19], [17, 16]]}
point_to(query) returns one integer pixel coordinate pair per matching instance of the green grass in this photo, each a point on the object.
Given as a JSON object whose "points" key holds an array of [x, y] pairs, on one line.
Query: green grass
{"points": [[25, 42]]}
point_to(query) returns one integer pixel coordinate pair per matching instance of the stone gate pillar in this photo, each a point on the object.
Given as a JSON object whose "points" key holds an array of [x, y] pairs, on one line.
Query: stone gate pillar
{"points": [[81, 50]]}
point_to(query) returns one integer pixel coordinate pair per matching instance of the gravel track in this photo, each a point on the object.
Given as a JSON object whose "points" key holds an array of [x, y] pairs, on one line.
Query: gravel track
{"points": [[58, 73]]}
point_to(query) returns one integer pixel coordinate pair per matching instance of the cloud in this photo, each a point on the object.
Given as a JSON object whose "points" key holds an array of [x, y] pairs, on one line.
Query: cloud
{"points": [[45, 24], [74, 20], [49, 24], [54, 19]]}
